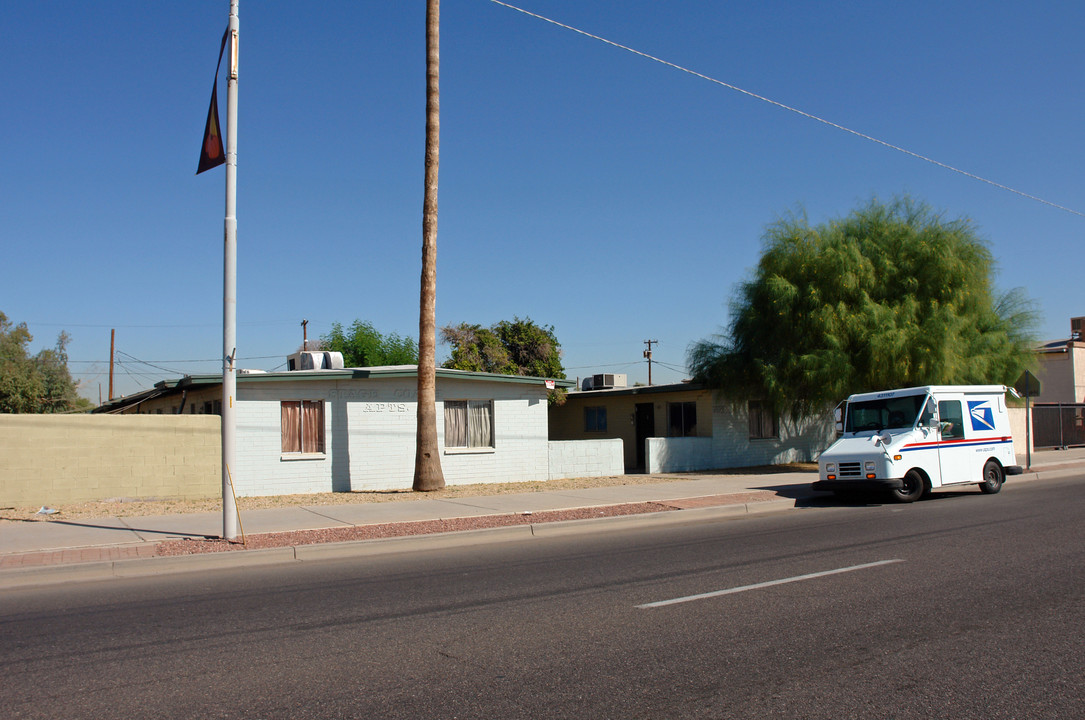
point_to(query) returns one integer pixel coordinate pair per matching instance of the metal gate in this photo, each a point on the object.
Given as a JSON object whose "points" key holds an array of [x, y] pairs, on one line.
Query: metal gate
{"points": [[1058, 425]]}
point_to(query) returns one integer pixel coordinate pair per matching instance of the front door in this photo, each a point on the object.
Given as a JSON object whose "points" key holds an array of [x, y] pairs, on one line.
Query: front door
{"points": [[956, 459], [646, 428]]}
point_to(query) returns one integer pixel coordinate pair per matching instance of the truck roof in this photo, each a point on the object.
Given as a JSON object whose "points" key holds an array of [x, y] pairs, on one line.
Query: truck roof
{"points": [[933, 390]]}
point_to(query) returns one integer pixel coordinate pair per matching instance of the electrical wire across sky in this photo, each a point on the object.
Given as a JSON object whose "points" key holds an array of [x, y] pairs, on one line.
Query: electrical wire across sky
{"points": [[791, 109]]}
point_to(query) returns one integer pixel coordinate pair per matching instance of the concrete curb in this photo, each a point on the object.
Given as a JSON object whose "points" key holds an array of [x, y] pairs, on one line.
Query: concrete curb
{"points": [[229, 560], [147, 567]]}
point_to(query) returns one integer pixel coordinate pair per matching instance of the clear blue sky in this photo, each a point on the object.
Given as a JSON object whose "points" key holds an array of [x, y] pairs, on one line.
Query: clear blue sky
{"points": [[590, 189]]}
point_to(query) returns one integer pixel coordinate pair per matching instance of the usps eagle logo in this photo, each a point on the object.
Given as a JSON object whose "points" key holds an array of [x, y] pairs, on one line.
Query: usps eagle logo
{"points": [[983, 416]]}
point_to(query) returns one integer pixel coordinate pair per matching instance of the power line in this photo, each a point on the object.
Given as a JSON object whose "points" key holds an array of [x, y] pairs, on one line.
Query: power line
{"points": [[792, 109], [254, 323], [207, 360]]}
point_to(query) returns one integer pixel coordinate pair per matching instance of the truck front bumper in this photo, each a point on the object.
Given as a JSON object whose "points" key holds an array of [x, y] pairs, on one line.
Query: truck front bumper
{"points": [[857, 484]]}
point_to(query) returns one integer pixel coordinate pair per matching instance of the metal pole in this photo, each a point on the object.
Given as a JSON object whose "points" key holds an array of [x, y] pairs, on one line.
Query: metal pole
{"points": [[112, 337], [1028, 424], [229, 296]]}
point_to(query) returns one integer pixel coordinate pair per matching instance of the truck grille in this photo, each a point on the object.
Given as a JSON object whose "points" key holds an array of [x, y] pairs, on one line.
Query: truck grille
{"points": [[851, 469]]}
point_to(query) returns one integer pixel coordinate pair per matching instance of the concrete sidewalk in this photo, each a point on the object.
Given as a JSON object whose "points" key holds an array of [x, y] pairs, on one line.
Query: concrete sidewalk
{"points": [[26, 548]]}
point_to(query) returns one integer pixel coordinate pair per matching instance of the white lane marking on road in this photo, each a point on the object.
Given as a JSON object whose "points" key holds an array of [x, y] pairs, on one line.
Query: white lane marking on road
{"points": [[770, 583]]}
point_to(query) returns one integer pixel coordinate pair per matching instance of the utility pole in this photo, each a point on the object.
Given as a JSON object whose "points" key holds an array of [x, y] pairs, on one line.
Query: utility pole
{"points": [[112, 337], [229, 296], [304, 335], [648, 356]]}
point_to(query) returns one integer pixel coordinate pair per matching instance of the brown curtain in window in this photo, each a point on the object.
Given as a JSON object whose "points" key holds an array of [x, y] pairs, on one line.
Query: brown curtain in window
{"points": [[312, 426], [291, 426]]}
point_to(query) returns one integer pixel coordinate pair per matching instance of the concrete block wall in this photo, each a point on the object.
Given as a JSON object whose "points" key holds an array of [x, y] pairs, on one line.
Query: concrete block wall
{"points": [[261, 468], [798, 441], [678, 454], [586, 458], [520, 435], [58, 459], [732, 446], [370, 436]]}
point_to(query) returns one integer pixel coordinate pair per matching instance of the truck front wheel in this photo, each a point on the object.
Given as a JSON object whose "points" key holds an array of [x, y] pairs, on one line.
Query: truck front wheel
{"points": [[992, 478], [911, 489]]}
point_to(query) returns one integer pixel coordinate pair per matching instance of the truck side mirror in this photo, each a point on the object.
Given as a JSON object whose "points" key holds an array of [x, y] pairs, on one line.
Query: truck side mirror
{"points": [[838, 417], [929, 417]]}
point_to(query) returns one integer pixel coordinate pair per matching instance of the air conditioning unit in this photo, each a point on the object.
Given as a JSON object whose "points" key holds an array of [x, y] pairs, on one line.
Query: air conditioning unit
{"points": [[314, 360], [608, 380], [1077, 328]]}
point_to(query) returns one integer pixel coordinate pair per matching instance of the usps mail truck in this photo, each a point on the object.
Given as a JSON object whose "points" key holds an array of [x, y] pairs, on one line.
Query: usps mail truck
{"points": [[913, 440]]}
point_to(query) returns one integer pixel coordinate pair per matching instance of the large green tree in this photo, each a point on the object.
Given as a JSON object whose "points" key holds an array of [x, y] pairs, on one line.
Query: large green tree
{"points": [[363, 345], [39, 383], [517, 347], [893, 295]]}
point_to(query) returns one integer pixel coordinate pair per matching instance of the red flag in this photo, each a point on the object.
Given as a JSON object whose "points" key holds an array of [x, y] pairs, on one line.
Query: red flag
{"points": [[212, 153]]}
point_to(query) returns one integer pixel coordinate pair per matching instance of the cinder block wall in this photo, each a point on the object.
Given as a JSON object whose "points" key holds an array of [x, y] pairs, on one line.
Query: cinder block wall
{"points": [[58, 459], [586, 458]]}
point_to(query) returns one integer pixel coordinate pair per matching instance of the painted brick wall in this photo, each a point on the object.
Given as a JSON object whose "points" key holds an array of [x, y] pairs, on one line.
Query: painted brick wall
{"points": [[732, 446], [586, 458], [370, 436], [58, 459]]}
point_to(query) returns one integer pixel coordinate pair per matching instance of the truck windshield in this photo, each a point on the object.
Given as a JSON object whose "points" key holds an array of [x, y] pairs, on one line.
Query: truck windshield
{"points": [[884, 414]]}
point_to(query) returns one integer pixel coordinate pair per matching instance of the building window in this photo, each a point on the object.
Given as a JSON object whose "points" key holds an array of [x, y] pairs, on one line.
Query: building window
{"points": [[302, 426], [469, 423], [681, 419], [595, 419], [212, 407], [762, 421]]}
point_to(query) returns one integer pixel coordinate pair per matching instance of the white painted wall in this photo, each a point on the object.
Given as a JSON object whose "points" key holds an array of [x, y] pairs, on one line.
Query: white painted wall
{"points": [[586, 458], [731, 445], [370, 436]]}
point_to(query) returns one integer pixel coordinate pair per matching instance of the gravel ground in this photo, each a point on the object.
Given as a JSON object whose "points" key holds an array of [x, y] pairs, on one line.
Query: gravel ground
{"points": [[402, 529], [127, 507], [123, 507]]}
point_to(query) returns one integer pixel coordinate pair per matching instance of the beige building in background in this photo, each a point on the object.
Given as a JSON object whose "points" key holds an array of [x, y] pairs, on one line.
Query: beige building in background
{"points": [[1061, 369]]}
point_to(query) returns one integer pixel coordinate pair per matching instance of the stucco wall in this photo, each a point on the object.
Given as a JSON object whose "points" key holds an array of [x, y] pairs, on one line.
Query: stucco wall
{"points": [[58, 459], [1020, 430], [1062, 375]]}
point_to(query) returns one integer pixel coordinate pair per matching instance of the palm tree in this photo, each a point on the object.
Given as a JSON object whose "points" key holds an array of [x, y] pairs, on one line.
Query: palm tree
{"points": [[427, 460]]}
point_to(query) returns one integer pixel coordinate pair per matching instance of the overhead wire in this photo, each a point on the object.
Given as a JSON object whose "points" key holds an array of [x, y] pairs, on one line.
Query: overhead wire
{"points": [[792, 109]]}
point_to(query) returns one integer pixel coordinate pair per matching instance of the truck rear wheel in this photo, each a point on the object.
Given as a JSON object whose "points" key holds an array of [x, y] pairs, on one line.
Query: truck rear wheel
{"points": [[992, 478], [911, 489]]}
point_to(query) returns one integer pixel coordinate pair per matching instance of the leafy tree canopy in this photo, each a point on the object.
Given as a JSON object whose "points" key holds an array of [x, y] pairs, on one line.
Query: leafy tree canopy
{"points": [[519, 347], [363, 345], [38, 384], [893, 295]]}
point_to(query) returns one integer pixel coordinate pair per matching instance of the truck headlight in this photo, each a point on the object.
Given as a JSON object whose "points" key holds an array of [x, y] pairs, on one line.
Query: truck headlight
{"points": [[830, 468], [869, 466]]}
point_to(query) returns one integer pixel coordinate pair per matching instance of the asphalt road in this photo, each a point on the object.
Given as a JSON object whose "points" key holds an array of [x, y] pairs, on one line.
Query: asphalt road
{"points": [[962, 606]]}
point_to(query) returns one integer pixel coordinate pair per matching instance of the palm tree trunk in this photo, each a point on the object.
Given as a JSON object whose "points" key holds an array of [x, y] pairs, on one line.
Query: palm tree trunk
{"points": [[427, 460]]}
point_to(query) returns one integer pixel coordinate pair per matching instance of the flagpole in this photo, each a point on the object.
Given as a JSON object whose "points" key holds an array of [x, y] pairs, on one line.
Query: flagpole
{"points": [[229, 297]]}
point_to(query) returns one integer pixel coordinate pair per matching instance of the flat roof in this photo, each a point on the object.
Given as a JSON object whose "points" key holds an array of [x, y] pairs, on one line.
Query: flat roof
{"points": [[166, 387]]}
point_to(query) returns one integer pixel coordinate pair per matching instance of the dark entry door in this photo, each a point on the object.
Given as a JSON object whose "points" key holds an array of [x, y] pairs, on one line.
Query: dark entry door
{"points": [[646, 428]]}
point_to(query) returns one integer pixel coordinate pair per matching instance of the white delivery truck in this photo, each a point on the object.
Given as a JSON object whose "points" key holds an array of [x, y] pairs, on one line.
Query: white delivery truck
{"points": [[913, 440]]}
